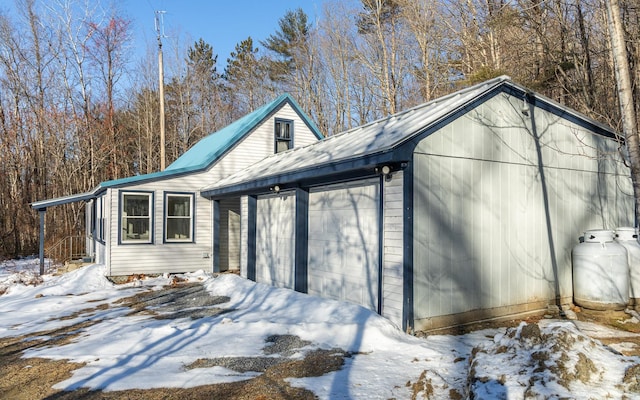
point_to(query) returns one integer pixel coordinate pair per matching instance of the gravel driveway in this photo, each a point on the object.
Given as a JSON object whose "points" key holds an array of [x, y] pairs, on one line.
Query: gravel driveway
{"points": [[33, 378]]}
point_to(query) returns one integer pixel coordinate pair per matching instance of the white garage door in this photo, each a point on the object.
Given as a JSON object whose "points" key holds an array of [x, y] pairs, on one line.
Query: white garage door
{"points": [[343, 243], [275, 240]]}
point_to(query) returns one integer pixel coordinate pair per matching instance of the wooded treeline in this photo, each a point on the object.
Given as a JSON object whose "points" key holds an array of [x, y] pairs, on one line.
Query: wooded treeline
{"points": [[76, 109]]}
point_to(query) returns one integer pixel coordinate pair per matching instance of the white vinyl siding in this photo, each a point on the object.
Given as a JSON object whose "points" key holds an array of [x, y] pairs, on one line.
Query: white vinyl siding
{"points": [[393, 246], [233, 242], [166, 257], [229, 234], [256, 146], [302, 134], [183, 257], [488, 207], [244, 235]]}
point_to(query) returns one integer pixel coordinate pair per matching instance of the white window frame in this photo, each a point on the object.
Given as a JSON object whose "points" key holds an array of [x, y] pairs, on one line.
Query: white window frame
{"points": [[190, 217], [124, 218]]}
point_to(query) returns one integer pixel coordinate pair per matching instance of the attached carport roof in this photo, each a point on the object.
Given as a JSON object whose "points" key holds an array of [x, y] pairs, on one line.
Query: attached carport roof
{"points": [[389, 141], [44, 204]]}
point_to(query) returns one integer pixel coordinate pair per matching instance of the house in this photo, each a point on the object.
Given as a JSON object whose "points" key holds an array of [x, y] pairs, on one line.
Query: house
{"points": [[159, 222], [461, 209]]}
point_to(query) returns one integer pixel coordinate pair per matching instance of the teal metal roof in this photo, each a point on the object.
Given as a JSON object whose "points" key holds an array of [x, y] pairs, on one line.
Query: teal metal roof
{"points": [[202, 155], [212, 147]]}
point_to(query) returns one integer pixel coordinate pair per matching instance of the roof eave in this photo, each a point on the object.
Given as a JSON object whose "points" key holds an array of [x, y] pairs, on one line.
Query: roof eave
{"points": [[332, 172], [44, 204]]}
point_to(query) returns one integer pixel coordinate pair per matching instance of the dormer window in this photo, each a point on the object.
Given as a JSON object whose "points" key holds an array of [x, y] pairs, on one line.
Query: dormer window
{"points": [[283, 135]]}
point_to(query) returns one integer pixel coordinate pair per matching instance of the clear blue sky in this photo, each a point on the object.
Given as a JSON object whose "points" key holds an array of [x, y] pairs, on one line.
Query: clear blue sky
{"points": [[221, 23]]}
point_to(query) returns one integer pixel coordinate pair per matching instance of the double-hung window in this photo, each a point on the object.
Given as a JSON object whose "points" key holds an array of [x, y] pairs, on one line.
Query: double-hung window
{"points": [[283, 134], [136, 212], [178, 217]]}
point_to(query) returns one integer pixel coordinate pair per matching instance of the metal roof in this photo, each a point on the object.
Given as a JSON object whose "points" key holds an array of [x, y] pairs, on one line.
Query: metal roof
{"points": [[199, 157], [381, 141], [212, 147], [43, 204]]}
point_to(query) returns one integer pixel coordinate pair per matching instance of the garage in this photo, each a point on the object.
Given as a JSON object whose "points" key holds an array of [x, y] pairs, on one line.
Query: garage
{"points": [[343, 242], [275, 244]]}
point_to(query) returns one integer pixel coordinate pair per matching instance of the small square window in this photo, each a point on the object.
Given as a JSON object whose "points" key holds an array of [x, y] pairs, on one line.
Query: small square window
{"points": [[283, 135]]}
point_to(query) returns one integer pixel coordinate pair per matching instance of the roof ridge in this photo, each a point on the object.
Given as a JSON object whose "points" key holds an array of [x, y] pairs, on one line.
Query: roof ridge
{"points": [[495, 81]]}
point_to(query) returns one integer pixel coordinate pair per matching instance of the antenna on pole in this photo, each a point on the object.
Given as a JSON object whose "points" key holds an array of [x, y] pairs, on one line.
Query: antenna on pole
{"points": [[159, 25]]}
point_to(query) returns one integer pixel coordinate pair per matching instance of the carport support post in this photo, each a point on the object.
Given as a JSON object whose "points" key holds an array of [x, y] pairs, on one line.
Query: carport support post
{"points": [[42, 213]]}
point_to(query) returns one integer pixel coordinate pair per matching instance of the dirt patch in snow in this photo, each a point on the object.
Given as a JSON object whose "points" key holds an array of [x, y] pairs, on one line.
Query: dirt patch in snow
{"points": [[189, 300], [426, 385], [33, 378], [550, 362], [620, 321], [285, 356], [269, 385], [277, 350]]}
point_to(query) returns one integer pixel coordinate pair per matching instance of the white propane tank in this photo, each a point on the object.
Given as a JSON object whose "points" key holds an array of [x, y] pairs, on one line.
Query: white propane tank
{"points": [[600, 272], [628, 237]]}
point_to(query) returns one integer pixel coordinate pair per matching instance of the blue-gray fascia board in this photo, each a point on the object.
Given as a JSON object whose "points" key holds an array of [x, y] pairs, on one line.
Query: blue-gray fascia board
{"points": [[559, 110], [334, 172], [409, 144], [44, 204], [352, 168], [305, 118], [152, 177]]}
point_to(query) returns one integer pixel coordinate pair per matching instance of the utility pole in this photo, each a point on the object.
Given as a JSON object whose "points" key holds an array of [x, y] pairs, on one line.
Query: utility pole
{"points": [[160, 31]]}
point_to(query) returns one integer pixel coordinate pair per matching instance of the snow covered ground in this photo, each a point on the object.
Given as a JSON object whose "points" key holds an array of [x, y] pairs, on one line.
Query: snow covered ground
{"points": [[554, 358]]}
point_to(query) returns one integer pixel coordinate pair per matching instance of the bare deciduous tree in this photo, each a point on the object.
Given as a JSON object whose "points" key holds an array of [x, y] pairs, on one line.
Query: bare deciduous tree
{"points": [[626, 101]]}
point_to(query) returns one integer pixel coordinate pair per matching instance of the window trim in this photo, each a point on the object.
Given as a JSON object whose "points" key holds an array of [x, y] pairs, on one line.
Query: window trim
{"points": [[192, 217], [99, 221], [277, 138], [151, 196]]}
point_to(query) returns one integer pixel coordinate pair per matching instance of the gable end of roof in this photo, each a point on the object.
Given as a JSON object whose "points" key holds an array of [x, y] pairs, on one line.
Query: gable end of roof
{"points": [[210, 149]]}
